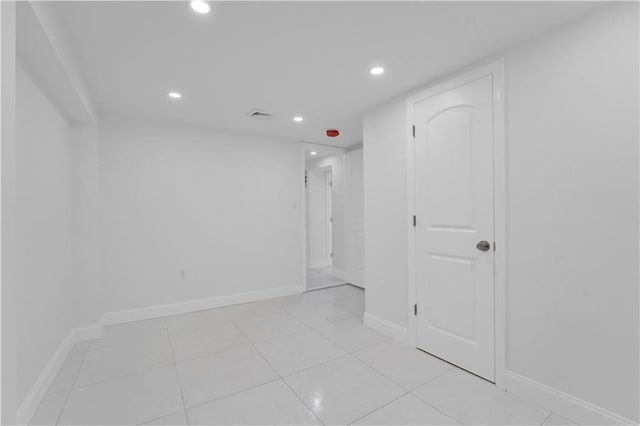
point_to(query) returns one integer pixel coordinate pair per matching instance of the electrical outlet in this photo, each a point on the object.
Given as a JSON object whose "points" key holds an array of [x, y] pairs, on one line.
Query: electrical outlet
{"points": [[182, 274]]}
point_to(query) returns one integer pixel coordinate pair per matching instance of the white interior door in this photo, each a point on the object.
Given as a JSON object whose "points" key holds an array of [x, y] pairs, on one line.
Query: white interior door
{"points": [[354, 209], [454, 226]]}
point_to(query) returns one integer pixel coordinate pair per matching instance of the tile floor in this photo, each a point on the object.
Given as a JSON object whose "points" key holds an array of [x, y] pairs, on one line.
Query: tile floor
{"points": [[296, 360], [322, 277]]}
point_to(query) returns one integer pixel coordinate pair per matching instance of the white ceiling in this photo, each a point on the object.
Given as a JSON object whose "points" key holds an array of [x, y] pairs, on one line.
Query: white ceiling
{"points": [[289, 58]]}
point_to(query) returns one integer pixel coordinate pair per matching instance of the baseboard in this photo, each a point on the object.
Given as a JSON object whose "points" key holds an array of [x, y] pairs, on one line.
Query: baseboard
{"points": [[564, 404], [38, 390], [387, 327], [158, 311]]}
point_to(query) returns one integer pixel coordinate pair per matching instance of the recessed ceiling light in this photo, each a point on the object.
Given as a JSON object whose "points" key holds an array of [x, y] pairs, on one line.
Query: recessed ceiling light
{"points": [[376, 70], [200, 6], [298, 119], [313, 153], [175, 95]]}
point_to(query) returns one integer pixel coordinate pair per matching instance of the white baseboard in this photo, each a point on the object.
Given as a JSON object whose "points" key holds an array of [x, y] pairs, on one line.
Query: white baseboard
{"points": [[38, 390], [564, 404], [387, 327], [159, 311]]}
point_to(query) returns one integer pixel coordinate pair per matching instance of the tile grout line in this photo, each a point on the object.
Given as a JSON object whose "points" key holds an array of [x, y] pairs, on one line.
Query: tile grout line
{"points": [[231, 321], [431, 405], [218, 398], [124, 376], [158, 418], [346, 355], [410, 391], [380, 408], [251, 387], [279, 376], [547, 418], [175, 368], [302, 402], [75, 378], [217, 353]]}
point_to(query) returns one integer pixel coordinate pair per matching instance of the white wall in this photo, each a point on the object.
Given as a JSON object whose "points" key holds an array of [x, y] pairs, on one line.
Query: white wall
{"points": [[44, 250], [87, 289], [8, 289], [572, 102], [572, 141], [385, 211], [221, 206]]}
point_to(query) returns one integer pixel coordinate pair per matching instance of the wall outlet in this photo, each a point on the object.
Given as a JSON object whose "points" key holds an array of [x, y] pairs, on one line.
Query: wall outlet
{"points": [[182, 274]]}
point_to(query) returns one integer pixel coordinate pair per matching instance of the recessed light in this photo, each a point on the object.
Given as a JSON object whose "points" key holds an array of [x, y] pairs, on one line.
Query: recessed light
{"points": [[200, 6], [313, 153], [376, 70], [175, 95], [298, 119]]}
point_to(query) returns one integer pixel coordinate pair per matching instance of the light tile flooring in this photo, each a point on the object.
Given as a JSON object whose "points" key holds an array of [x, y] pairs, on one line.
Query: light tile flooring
{"points": [[303, 359], [322, 277]]}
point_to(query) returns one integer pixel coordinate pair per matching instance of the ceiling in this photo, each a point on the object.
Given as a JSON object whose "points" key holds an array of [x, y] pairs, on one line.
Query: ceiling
{"points": [[288, 58], [316, 152]]}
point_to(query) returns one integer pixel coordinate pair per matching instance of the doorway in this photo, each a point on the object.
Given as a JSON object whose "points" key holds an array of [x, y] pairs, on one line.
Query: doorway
{"points": [[324, 178], [456, 154]]}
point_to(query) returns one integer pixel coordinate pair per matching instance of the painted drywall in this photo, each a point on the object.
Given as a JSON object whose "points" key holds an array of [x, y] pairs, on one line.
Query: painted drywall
{"points": [[44, 243], [8, 289], [222, 207], [572, 105], [386, 216], [87, 287], [572, 142]]}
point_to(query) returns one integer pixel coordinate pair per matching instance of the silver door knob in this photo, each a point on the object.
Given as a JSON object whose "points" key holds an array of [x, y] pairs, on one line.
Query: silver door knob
{"points": [[483, 245]]}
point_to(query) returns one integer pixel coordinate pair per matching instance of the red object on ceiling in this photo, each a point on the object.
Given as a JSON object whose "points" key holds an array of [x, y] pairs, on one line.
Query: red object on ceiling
{"points": [[333, 133]]}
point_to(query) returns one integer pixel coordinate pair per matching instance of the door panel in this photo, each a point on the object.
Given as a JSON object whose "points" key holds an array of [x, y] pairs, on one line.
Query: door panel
{"points": [[454, 208], [449, 153]]}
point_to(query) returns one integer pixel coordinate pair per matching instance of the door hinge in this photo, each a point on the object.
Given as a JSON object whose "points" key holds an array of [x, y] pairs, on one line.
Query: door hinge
{"points": [[332, 255], [414, 221], [415, 309], [414, 131], [494, 246]]}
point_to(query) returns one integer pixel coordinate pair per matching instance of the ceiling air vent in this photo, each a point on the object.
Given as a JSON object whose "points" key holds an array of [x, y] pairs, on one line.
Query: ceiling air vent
{"points": [[260, 115]]}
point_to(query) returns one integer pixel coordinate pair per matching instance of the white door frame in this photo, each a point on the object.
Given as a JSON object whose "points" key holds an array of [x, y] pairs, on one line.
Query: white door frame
{"points": [[305, 146], [496, 69], [328, 205]]}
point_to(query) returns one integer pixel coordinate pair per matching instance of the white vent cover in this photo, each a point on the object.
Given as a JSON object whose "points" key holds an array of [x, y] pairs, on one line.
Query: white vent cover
{"points": [[258, 114]]}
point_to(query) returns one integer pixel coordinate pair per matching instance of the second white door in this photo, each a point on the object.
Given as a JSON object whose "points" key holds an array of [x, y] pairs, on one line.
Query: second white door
{"points": [[454, 226]]}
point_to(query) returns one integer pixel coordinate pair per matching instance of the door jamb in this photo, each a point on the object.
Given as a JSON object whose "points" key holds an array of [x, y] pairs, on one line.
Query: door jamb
{"points": [[495, 68], [328, 182]]}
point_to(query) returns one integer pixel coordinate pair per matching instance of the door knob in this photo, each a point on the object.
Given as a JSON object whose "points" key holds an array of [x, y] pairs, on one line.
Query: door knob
{"points": [[483, 245]]}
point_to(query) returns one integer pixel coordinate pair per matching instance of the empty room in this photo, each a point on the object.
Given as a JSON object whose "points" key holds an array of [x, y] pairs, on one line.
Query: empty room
{"points": [[320, 212]]}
